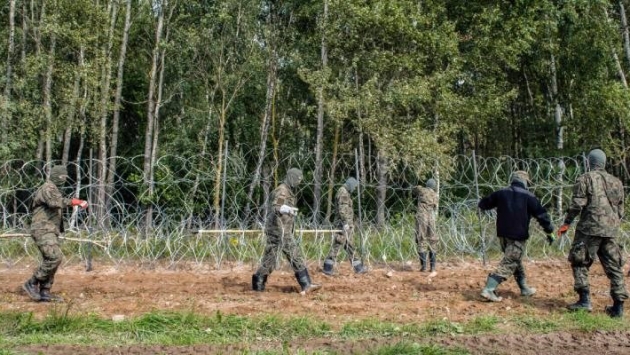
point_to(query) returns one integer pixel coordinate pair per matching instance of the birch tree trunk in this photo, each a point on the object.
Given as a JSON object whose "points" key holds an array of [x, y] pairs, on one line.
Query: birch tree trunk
{"points": [[100, 206], [381, 189], [6, 113], [151, 110], [48, 133], [113, 149], [319, 145], [76, 91], [331, 175], [625, 32]]}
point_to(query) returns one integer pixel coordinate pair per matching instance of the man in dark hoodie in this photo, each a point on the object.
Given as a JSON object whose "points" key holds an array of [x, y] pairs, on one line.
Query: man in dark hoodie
{"points": [[344, 220], [515, 207], [46, 224], [279, 233]]}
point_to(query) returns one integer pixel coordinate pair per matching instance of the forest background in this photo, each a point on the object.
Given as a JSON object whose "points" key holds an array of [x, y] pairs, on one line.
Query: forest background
{"points": [[375, 89]]}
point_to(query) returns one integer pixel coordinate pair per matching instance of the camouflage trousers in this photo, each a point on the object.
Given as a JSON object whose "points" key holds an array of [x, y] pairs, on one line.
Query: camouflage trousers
{"points": [[344, 240], [609, 254], [512, 262], [287, 245], [48, 245], [426, 238]]}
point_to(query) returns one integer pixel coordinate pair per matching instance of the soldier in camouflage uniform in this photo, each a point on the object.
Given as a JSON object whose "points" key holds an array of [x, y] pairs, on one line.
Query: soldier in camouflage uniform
{"points": [[515, 207], [425, 232], [344, 216], [279, 233], [46, 226], [598, 199]]}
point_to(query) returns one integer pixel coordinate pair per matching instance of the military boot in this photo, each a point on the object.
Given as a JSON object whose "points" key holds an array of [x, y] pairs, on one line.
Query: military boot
{"points": [[329, 264], [358, 267], [616, 310], [432, 258], [304, 279], [258, 282], [584, 303], [32, 289], [46, 296], [423, 261], [491, 285], [521, 280]]}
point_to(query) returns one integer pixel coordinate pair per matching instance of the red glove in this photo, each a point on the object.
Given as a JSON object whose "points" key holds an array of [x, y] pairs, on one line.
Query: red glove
{"points": [[563, 229], [81, 203]]}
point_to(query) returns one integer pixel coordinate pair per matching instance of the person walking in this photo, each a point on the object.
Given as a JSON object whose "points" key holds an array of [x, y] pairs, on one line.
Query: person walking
{"points": [[344, 220], [46, 226], [515, 206], [279, 233], [598, 198]]}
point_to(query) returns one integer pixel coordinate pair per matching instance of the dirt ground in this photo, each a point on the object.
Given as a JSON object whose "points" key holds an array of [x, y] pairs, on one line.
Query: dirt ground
{"points": [[400, 294]]}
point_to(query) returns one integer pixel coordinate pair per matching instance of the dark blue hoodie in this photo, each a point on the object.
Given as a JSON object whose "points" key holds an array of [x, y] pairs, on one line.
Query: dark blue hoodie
{"points": [[515, 207]]}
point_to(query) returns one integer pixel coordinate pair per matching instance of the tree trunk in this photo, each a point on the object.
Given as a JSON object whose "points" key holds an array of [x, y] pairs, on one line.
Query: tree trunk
{"points": [[5, 115], [151, 116], [319, 145], [381, 189], [48, 99], [559, 128], [76, 91], [624, 31], [113, 149], [264, 129], [331, 175]]}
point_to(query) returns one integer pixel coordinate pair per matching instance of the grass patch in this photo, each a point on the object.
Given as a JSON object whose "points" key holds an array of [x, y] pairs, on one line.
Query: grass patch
{"points": [[407, 348]]}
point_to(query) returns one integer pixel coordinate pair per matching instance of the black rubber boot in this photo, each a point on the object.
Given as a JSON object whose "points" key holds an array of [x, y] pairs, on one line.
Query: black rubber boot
{"points": [[584, 303], [432, 260], [46, 296], [32, 289], [521, 280], [258, 282], [492, 283], [329, 264], [304, 279], [358, 267], [423, 261], [616, 310]]}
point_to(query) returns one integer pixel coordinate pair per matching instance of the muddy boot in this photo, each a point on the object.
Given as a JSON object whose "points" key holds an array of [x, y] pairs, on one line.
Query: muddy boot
{"points": [[358, 267], [423, 261], [329, 264], [258, 282], [46, 296], [304, 279], [491, 285], [616, 310], [32, 289], [521, 280], [584, 303], [432, 258]]}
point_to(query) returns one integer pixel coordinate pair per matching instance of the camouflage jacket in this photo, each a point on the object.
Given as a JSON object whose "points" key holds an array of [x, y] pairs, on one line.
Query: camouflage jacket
{"points": [[48, 204], [344, 210], [427, 200], [598, 198], [280, 224]]}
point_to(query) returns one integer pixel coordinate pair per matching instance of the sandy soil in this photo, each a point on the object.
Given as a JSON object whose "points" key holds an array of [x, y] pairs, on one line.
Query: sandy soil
{"points": [[401, 295]]}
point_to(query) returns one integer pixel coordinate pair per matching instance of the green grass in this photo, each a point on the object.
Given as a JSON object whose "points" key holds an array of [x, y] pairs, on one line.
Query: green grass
{"points": [[60, 326]]}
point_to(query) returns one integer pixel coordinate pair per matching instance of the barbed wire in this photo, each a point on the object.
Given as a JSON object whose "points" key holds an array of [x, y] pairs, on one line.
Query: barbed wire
{"points": [[186, 198]]}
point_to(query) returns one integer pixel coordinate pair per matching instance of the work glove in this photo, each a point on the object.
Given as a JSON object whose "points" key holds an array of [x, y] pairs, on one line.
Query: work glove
{"points": [[77, 202], [346, 227], [551, 237], [285, 209], [562, 230]]}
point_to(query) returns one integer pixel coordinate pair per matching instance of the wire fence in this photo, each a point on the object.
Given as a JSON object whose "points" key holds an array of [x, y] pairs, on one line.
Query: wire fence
{"points": [[193, 212]]}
